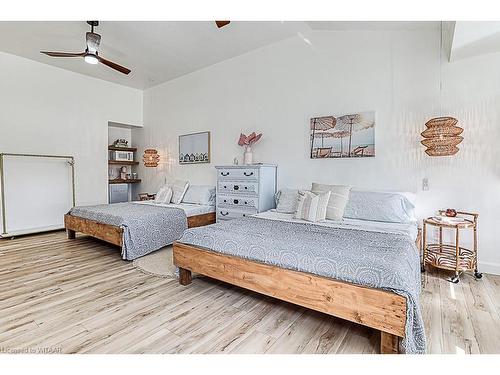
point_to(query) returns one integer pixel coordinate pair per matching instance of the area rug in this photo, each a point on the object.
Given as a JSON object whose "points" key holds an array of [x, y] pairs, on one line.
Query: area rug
{"points": [[159, 263]]}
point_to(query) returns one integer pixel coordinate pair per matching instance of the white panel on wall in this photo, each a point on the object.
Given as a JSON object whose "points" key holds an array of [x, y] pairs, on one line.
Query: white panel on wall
{"points": [[37, 192]]}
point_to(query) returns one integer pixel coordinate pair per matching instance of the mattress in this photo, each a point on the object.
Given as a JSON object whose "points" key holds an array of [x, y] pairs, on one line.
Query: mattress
{"points": [[190, 209], [410, 229]]}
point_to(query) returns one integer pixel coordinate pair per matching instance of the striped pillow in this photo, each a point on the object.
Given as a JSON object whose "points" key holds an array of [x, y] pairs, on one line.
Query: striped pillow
{"points": [[311, 206], [338, 199]]}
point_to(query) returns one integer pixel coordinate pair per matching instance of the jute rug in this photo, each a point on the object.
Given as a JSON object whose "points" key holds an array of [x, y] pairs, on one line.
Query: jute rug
{"points": [[158, 263]]}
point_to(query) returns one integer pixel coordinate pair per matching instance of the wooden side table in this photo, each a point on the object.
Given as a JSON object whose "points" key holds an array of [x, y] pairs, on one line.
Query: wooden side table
{"points": [[452, 257]]}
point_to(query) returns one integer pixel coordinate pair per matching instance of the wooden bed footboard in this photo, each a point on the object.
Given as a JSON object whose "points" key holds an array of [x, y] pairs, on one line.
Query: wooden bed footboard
{"points": [[105, 232], [375, 308], [112, 233]]}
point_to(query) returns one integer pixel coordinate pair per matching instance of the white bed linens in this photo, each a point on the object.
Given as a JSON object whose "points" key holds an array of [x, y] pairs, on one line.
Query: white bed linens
{"points": [[189, 208], [410, 229]]}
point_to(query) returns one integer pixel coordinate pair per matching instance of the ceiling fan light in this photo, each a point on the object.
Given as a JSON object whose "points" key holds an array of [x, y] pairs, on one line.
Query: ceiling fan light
{"points": [[91, 59]]}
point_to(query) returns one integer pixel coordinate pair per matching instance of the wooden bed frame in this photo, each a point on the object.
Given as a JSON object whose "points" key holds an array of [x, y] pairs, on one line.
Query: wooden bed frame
{"points": [[114, 234], [376, 308]]}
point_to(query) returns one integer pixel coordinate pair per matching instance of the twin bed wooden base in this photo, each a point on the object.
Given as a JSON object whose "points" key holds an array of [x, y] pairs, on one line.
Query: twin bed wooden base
{"points": [[379, 309], [114, 234]]}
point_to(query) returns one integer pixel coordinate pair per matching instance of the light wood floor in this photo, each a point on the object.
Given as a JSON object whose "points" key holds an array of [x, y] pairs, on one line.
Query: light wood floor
{"points": [[80, 297]]}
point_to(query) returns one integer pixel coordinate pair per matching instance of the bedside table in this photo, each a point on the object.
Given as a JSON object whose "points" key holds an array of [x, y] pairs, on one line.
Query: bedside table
{"points": [[452, 257]]}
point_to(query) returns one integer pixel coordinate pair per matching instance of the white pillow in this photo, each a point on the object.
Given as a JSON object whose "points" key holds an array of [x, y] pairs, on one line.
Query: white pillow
{"points": [[179, 188], [338, 199], [164, 195], [391, 207], [311, 206], [200, 194], [287, 200]]}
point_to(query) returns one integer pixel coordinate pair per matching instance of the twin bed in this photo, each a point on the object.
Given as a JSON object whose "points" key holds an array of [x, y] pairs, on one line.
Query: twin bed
{"points": [[364, 271], [138, 228]]}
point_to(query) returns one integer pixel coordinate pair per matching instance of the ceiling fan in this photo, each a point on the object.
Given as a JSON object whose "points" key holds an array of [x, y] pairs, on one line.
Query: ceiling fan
{"points": [[91, 55]]}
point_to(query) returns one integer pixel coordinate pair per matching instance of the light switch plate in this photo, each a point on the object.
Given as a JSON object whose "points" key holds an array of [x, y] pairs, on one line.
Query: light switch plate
{"points": [[425, 184]]}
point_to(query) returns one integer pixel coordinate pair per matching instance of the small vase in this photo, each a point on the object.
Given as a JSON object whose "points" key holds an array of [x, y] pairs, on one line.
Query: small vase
{"points": [[248, 156]]}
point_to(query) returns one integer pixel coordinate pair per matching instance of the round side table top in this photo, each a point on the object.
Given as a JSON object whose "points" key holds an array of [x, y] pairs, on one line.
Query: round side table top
{"points": [[463, 223]]}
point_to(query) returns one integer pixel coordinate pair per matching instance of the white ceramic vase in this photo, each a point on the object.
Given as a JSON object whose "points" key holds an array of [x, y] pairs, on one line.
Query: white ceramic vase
{"points": [[248, 156]]}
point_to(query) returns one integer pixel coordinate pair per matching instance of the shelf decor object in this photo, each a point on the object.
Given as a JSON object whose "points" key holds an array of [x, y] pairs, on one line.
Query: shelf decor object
{"points": [[452, 257], [442, 136], [151, 158]]}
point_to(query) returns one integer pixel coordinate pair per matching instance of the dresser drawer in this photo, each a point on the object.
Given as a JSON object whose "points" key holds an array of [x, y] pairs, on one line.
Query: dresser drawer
{"points": [[236, 201], [238, 187], [239, 174], [224, 213]]}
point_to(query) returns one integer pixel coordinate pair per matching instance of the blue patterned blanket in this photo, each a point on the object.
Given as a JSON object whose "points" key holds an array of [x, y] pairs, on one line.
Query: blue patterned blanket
{"points": [[146, 228], [380, 260]]}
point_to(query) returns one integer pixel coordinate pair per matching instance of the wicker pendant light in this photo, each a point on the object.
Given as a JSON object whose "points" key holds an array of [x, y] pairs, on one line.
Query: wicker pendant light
{"points": [[442, 136], [151, 157]]}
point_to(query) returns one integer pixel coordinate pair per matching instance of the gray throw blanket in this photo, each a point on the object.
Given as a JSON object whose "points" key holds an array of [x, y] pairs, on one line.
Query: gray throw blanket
{"points": [[146, 228], [374, 259]]}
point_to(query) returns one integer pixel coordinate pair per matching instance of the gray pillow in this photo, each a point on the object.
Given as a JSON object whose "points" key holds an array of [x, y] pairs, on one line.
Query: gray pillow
{"points": [[287, 200], [338, 199], [179, 188], [392, 207], [200, 194]]}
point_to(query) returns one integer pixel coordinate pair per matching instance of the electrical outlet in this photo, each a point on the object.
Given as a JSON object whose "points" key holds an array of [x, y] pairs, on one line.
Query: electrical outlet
{"points": [[425, 184]]}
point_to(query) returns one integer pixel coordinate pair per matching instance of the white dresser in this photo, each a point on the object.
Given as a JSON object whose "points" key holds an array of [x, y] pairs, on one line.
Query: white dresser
{"points": [[245, 190]]}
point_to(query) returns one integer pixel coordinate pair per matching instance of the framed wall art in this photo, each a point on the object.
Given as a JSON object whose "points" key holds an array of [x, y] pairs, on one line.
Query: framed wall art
{"points": [[344, 136], [194, 148]]}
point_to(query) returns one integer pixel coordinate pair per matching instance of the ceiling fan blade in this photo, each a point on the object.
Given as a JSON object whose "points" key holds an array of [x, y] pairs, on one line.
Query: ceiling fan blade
{"points": [[93, 42], [63, 54], [222, 23], [113, 65]]}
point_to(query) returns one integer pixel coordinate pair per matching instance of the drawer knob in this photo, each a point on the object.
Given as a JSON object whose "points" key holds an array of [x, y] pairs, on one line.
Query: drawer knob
{"points": [[244, 215], [248, 174], [235, 201], [225, 187], [224, 174], [224, 214], [236, 187]]}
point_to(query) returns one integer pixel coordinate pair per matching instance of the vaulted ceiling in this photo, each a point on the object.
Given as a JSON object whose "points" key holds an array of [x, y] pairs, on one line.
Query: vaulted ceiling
{"points": [[160, 51]]}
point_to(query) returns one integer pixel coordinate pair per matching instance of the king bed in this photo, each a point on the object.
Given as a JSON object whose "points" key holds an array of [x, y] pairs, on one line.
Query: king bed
{"points": [[363, 271]]}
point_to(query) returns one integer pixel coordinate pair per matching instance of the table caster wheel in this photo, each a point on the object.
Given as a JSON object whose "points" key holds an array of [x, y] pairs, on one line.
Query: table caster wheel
{"points": [[455, 279], [477, 274], [422, 269]]}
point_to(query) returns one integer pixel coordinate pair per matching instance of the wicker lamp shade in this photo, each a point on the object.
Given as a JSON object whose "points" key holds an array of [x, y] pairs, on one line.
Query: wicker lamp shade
{"points": [[151, 157], [442, 136]]}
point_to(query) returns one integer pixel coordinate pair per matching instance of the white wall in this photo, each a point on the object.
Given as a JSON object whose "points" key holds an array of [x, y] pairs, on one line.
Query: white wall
{"points": [[277, 89], [47, 110]]}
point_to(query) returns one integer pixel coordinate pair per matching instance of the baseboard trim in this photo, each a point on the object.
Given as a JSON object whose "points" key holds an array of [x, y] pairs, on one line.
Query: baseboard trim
{"points": [[486, 267]]}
